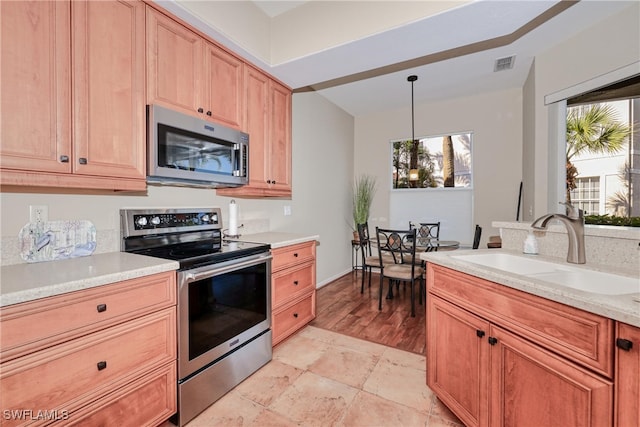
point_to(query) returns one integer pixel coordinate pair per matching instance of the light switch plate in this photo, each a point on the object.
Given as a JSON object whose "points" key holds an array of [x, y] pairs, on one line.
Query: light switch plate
{"points": [[287, 210]]}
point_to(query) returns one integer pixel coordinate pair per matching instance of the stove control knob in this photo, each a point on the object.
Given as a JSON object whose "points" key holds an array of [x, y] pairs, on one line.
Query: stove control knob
{"points": [[142, 221], [155, 220], [205, 218]]}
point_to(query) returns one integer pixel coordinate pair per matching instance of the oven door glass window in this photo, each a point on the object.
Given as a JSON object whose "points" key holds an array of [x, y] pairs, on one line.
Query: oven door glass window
{"points": [[184, 150], [225, 305]]}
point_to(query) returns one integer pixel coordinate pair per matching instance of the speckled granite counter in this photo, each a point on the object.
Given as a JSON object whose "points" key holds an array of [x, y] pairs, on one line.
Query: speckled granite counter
{"points": [[278, 239], [27, 282], [624, 308]]}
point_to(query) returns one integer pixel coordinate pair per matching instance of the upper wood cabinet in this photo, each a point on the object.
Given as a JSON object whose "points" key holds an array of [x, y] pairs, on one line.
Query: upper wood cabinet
{"points": [[35, 50], [85, 131], [268, 122], [188, 73]]}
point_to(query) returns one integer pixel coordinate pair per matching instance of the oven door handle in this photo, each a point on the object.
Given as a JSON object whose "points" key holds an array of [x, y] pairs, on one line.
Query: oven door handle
{"points": [[206, 272]]}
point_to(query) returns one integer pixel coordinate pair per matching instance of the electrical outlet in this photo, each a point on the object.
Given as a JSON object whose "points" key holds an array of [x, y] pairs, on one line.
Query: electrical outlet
{"points": [[38, 213], [287, 210]]}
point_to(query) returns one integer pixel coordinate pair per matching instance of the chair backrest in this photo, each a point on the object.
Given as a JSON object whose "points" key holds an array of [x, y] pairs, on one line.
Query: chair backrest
{"points": [[476, 237], [400, 244], [365, 241], [427, 229]]}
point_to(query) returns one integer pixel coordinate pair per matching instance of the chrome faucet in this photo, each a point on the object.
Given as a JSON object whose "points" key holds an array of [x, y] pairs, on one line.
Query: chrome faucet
{"points": [[574, 222]]}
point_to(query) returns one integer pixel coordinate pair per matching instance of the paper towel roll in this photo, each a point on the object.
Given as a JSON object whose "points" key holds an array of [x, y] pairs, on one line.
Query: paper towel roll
{"points": [[233, 218]]}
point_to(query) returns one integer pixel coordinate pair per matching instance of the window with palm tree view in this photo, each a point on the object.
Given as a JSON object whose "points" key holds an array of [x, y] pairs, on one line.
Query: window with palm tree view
{"points": [[434, 161], [603, 160]]}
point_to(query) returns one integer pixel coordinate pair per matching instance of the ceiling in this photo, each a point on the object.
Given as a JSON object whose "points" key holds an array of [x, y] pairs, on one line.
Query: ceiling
{"points": [[369, 75]]}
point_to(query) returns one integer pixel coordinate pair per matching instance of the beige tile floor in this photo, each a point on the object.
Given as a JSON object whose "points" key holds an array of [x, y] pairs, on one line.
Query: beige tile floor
{"points": [[321, 378]]}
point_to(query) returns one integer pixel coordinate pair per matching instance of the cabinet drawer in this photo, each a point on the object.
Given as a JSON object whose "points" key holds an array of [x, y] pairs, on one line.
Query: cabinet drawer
{"points": [[293, 317], [31, 326], [72, 374], [292, 255], [289, 283], [148, 401], [576, 334]]}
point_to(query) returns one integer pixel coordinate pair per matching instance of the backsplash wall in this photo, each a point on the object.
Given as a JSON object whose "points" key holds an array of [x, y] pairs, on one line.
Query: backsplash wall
{"points": [[605, 246]]}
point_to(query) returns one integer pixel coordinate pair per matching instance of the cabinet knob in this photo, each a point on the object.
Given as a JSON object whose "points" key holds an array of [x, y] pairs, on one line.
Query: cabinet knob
{"points": [[493, 341], [102, 365], [209, 113], [82, 161], [479, 333], [200, 110], [623, 344], [295, 315], [64, 159], [273, 181], [101, 308], [295, 254], [268, 181], [295, 283]]}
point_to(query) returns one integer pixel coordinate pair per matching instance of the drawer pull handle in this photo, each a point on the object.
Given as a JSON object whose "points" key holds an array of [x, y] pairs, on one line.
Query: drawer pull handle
{"points": [[295, 254], [295, 283], [101, 308], [102, 365], [493, 341], [479, 333], [623, 344], [64, 159], [83, 160], [295, 315]]}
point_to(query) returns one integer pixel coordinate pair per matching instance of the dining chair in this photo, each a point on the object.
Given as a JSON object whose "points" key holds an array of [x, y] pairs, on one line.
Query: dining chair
{"points": [[369, 259], [476, 237], [399, 245]]}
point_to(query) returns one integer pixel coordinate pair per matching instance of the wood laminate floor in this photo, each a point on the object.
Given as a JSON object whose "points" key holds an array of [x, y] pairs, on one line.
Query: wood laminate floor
{"points": [[340, 307]]}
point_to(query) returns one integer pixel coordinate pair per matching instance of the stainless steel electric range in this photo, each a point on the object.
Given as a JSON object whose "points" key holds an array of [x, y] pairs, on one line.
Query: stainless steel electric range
{"points": [[224, 299]]}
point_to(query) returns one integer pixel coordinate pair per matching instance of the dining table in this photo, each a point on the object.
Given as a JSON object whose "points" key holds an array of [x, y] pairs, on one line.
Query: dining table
{"points": [[429, 244]]}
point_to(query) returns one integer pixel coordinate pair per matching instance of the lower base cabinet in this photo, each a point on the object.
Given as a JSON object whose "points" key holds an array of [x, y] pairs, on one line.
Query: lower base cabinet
{"points": [[488, 375], [106, 360], [293, 289], [627, 395]]}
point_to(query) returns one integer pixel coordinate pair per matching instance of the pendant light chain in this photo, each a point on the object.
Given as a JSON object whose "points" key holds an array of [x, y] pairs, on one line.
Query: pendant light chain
{"points": [[412, 78]]}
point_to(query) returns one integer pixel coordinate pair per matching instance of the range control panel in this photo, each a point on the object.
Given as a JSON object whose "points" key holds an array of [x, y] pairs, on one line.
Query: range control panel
{"points": [[145, 222], [136, 222]]}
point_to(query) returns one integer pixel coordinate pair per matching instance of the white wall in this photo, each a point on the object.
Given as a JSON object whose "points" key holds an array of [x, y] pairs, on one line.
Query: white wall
{"points": [[495, 119], [608, 46], [322, 173]]}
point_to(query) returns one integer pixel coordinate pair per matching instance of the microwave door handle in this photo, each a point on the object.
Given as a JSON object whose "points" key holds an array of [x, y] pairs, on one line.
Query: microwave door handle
{"points": [[238, 149], [207, 272]]}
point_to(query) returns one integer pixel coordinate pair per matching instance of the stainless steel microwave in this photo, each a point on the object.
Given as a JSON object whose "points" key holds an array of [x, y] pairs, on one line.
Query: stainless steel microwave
{"points": [[188, 151]]}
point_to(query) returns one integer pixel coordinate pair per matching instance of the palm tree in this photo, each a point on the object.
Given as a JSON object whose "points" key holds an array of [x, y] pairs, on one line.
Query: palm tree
{"points": [[448, 171], [593, 128]]}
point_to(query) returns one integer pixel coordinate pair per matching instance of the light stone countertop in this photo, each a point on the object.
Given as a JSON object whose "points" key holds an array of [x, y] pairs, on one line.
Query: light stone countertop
{"points": [[27, 282], [624, 308], [278, 239]]}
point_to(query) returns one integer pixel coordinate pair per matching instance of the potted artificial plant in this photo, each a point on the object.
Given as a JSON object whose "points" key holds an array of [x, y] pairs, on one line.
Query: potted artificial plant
{"points": [[364, 189]]}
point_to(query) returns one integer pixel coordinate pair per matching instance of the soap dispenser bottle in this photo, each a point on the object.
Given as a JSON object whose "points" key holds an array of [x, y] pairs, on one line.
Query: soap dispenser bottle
{"points": [[531, 244]]}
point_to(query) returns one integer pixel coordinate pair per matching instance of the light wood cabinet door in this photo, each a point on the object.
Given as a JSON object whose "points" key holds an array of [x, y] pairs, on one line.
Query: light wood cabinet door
{"points": [[531, 386], [174, 64], [458, 360], [627, 376], [108, 102], [280, 138], [268, 122], [224, 85], [35, 86]]}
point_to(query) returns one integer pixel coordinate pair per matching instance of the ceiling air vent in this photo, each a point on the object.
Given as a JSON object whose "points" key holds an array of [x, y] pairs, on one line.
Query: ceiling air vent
{"points": [[505, 63]]}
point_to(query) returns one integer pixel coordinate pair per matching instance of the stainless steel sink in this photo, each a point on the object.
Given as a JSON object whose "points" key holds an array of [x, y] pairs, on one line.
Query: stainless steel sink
{"points": [[560, 274]]}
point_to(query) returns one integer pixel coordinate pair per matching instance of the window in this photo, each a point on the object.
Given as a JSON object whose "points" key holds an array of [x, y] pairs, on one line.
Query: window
{"points": [[431, 162], [602, 157], [586, 195]]}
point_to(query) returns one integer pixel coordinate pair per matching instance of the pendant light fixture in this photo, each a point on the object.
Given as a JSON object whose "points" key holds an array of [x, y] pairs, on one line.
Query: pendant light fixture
{"points": [[413, 173]]}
